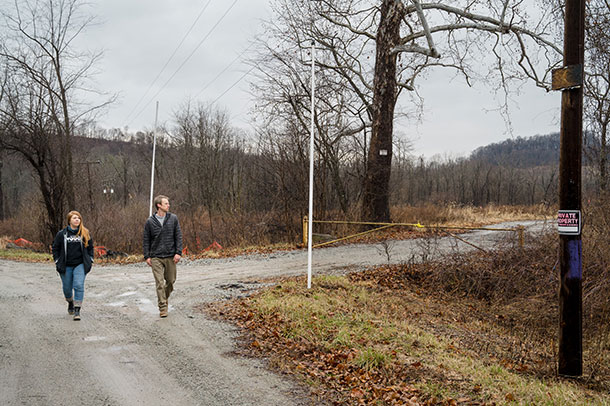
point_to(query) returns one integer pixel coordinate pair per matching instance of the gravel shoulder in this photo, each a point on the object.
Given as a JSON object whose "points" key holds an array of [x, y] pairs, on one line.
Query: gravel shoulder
{"points": [[122, 353]]}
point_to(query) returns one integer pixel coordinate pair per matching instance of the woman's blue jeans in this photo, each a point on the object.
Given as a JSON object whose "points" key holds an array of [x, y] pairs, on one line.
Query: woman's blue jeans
{"points": [[73, 280]]}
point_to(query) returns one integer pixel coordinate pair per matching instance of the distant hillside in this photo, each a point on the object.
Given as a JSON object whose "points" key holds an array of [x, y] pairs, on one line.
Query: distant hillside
{"points": [[539, 150]]}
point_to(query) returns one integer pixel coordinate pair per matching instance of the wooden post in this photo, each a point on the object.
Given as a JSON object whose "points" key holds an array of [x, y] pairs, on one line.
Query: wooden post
{"points": [[521, 230], [570, 245]]}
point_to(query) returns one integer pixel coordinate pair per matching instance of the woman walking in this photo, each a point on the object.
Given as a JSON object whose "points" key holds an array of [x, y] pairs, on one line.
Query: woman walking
{"points": [[73, 255]]}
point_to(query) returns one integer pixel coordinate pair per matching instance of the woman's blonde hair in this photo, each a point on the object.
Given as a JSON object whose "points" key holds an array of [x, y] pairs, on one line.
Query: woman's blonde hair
{"points": [[83, 233]]}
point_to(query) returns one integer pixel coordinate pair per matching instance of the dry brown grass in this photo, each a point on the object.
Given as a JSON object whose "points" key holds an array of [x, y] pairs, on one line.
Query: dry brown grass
{"points": [[120, 228], [476, 329], [468, 215], [596, 282], [433, 215], [382, 337], [3, 241]]}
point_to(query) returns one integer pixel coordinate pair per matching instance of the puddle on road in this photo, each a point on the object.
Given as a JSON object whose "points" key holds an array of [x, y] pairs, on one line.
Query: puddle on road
{"points": [[94, 338], [147, 306], [115, 348], [97, 294]]}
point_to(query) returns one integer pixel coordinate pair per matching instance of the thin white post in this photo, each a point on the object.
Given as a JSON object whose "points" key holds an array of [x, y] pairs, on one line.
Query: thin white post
{"points": [[311, 151], [152, 169]]}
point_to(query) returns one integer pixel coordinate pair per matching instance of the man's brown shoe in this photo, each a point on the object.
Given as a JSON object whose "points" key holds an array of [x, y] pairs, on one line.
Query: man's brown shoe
{"points": [[163, 313]]}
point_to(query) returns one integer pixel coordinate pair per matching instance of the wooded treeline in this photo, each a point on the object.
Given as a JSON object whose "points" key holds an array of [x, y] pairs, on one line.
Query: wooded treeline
{"points": [[240, 191], [238, 188]]}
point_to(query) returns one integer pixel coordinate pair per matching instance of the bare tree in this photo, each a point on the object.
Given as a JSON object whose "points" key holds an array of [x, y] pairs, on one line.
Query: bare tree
{"points": [[597, 86], [210, 161], [376, 50], [283, 102], [43, 76]]}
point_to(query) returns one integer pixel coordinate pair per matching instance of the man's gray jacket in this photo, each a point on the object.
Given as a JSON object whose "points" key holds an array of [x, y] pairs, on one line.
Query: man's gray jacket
{"points": [[162, 241]]}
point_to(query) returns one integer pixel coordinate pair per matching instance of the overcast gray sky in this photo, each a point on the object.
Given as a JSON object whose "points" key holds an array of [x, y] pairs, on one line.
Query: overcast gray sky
{"points": [[139, 36]]}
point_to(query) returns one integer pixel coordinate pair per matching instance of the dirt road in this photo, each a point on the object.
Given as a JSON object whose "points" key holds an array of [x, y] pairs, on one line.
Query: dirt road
{"points": [[122, 353]]}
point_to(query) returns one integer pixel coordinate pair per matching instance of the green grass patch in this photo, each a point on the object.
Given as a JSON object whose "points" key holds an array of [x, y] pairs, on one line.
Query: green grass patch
{"points": [[371, 359], [25, 255], [393, 338]]}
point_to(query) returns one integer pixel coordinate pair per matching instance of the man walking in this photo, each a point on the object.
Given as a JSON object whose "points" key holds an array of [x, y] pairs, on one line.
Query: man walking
{"points": [[162, 249]]}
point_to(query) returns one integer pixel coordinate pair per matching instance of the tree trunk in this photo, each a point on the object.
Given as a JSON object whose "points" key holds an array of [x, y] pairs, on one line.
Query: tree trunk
{"points": [[65, 125], [52, 197], [1, 192], [603, 175], [375, 204]]}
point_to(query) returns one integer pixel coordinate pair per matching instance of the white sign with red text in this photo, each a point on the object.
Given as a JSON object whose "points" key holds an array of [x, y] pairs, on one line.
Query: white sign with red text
{"points": [[569, 222]]}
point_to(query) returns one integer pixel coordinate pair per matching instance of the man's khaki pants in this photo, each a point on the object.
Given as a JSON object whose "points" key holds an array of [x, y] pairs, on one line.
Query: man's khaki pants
{"points": [[164, 271]]}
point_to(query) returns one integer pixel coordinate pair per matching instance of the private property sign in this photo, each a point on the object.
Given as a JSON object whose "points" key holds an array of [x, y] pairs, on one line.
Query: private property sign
{"points": [[569, 222]]}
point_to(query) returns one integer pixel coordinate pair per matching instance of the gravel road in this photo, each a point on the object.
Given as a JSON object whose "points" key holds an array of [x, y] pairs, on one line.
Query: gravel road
{"points": [[122, 353]]}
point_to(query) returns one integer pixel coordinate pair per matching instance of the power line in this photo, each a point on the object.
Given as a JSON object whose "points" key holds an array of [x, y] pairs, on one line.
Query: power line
{"points": [[186, 60], [169, 59], [223, 71], [235, 83]]}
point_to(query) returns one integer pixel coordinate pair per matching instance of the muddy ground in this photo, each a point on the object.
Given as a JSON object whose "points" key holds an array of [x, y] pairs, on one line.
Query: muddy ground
{"points": [[122, 353]]}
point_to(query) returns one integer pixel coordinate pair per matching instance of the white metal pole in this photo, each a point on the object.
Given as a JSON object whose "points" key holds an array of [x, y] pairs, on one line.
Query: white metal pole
{"points": [[152, 169], [311, 151]]}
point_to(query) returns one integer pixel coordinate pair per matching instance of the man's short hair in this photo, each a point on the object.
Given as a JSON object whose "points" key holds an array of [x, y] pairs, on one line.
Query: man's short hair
{"points": [[158, 200]]}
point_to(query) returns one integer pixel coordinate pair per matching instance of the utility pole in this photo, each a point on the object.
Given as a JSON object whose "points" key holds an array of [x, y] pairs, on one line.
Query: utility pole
{"points": [[569, 79], [152, 166], [311, 165], [311, 155]]}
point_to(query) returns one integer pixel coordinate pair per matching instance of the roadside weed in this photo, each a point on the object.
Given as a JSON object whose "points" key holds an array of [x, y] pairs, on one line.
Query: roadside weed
{"points": [[383, 334], [371, 359]]}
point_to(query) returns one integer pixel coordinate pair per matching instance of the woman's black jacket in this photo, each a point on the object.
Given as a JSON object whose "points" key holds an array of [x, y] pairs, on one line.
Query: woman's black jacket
{"points": [[59, 252]]}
